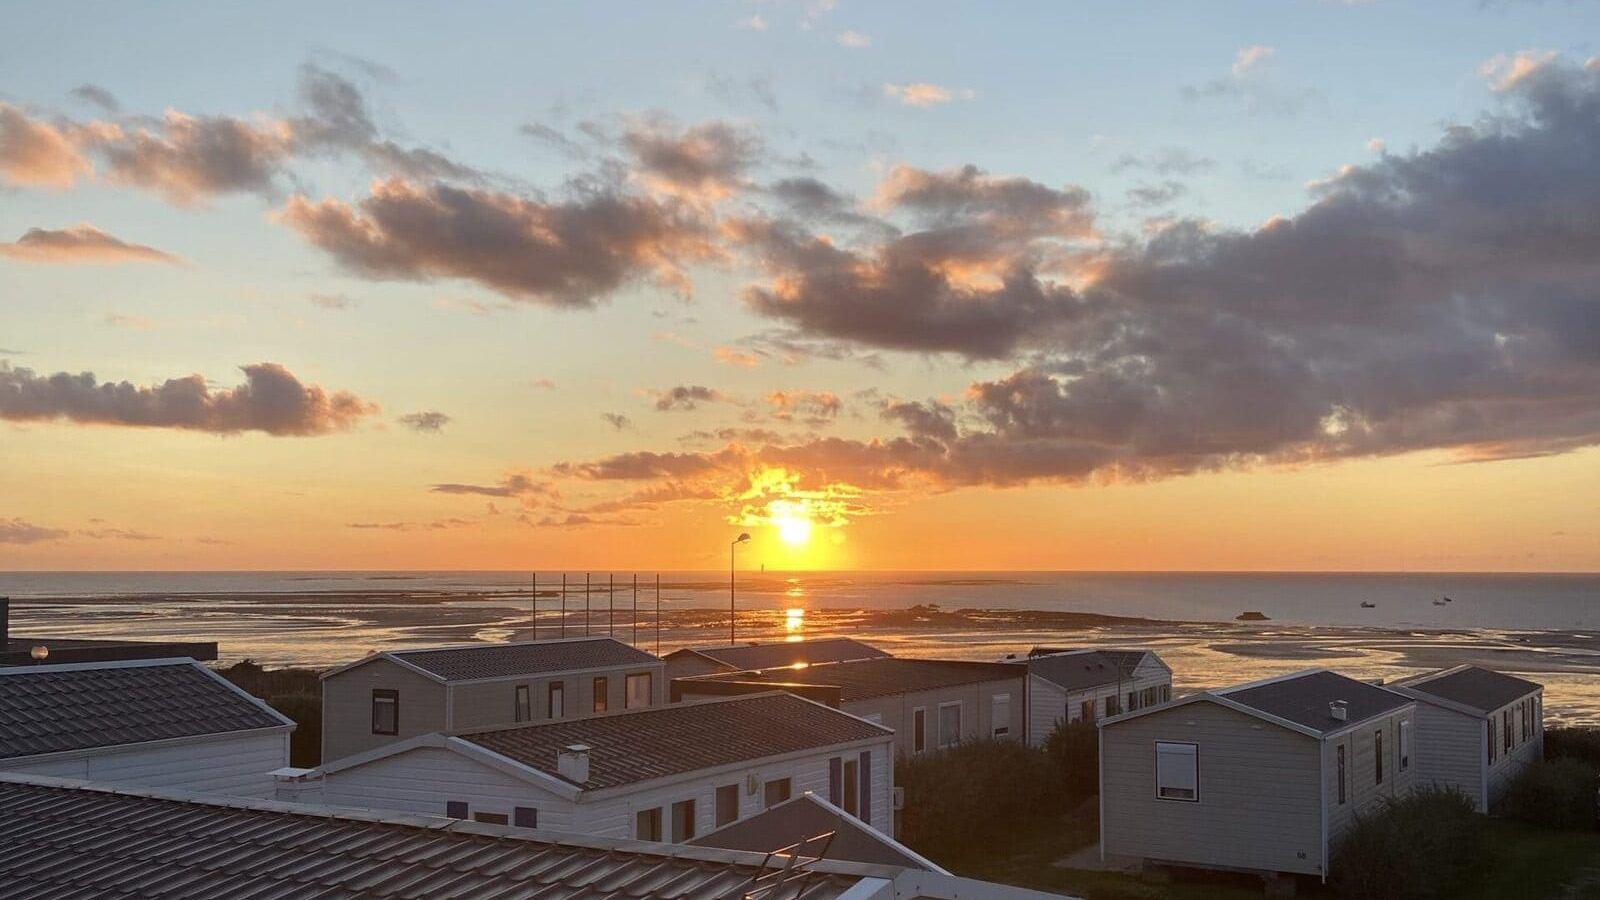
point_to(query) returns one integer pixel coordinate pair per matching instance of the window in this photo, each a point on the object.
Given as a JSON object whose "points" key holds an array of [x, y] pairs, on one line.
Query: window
{"points": [[491, 818], [456, 809], [385, 711], [1164, 693], [1523, 719], [557, 704], [1405, 744], [682, 821], [1177, 772], [1338, 753], [949, 724], [1377, 756], [525, 817], [1133, 700], [1112, 706], [524, 710], [851, 785], [647, 824], [776, 791], [1000, 715], [1505, 729], [601, 692], [727, 804], [1489, 723], [1086, 711], [1149, 697], [919, 730], [638, 691]]}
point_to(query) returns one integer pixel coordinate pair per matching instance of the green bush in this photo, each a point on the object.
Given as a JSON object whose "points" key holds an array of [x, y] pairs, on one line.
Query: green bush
{"points": [[297, 693], [1554, 794], [1573, 742], [975, 798], [1413, 848], [1074, 747]]}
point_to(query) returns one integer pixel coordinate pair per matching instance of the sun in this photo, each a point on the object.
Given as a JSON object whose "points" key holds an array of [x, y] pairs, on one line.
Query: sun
{"points": [[793, 530]]}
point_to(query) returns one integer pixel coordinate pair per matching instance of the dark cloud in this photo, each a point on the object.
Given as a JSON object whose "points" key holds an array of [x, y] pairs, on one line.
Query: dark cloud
{"points": [[96, 96], [436, 525], [338, 118], [21, 531], [1150, 195], [564, 253], [638, 466], [431, 422], [520, 485], [617, 420], [118, 534], [272, 400], [814, 408], [1167, 161], [707, 161], [923, 420], [81, 243], [686, 397], [189, 159]]}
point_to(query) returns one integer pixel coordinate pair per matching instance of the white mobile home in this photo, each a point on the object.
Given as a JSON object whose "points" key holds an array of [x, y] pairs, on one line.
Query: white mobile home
{"points": [[667, 773], [751, 657], [1089, 684], [930, 704], [394, 695], [1262, 777], [151, 723], [1476, 729]]}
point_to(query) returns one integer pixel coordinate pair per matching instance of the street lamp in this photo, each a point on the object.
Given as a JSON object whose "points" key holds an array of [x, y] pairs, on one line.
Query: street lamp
{"points": [[731, 613]]}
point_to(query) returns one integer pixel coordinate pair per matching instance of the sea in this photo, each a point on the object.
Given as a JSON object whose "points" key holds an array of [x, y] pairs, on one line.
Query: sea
{"points": [[1374, 625]]}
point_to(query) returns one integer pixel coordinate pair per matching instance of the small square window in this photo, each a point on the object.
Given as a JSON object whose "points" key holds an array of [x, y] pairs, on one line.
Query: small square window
{"points": [[385, 711], [1177, 771], [525, 817], [456, 809], [601, 695]]}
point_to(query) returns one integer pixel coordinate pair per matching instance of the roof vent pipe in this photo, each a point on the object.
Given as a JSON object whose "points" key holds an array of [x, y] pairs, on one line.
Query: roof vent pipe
{"points": [[572, 763], [1339, 709]]}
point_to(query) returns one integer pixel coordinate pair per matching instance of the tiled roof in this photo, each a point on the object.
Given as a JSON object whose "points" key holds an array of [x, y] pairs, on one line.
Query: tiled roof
{"points": [[1090, 668], [1480, 689], [807, 816], [77, 843], [526, 658], [1304, 699], [640, 745], [50, 709], [767, 656], [867, 678]]}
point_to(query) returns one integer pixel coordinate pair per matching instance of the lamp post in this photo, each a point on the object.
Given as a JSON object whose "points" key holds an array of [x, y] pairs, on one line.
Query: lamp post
{"points": [[732, 614]]}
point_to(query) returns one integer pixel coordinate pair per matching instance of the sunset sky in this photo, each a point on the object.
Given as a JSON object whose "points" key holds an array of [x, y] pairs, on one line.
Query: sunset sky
{"points": [[1288, 285]]}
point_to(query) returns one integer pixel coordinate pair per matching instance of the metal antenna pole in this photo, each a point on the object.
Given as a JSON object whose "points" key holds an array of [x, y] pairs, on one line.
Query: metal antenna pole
{"points": [[658, 613], [587, 597], [611, 605], [636, 609], [563, 604], [536, 606]]}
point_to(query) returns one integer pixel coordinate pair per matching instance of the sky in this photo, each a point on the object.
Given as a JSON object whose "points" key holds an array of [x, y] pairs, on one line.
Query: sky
{"points": [[1197, 285]]}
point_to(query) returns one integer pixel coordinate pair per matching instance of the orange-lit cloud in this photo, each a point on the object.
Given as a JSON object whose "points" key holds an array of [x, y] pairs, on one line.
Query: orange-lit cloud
{"points": [[37, 153], [80, 243]]}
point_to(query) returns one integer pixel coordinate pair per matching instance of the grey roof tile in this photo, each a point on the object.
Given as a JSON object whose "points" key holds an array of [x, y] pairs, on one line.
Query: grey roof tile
{"points": [[1482, 689], [525, 658], [1304, 699], [52, 709], [641, 745], [1077, 671], [66, 843]]}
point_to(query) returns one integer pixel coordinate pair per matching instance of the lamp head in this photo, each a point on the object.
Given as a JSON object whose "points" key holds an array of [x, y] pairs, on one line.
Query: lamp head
{"points": [[741, 538], [39, 653]]}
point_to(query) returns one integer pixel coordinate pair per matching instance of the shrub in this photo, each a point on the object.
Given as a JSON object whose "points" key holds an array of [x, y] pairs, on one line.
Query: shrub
{"points": [[1554, 794], [976, 797], [1074, 747], [1415, 847], [1573, 742], [297, 693]]}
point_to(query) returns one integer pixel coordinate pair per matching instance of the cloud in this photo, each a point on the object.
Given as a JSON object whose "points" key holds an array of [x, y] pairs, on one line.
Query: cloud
{"points": [[189, 159], [855, 40], [923, 95], [523, 486], [96, 96], [37, 153], [738, 358], [563, 254], [118, 534], [814, 408], [431, 422], [707, 161], [331, 301], [1504, 72], [338, 120], [1249, 82], [637, 466], [80, 243], [617, 420], [21, 531], [436, 525], [1166, 161], [1251, 57], [272, 400], [686, 397]]}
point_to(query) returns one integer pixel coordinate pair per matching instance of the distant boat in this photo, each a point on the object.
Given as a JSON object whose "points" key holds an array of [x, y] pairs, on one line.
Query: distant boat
{"points": [[1366, 605]]}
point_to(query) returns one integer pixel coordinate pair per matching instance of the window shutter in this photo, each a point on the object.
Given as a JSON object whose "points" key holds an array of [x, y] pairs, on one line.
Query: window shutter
{"points": [[865, 796], [456, 809], [525, 817], [836, 780]]}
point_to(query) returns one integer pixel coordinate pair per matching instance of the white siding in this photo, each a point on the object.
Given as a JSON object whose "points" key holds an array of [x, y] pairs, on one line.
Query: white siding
{"points": [[1363, 793], [977, 711], [1260, 799], [1450, 751], [1049, 703], [236, 766], [1509, 763], [425, 779]]}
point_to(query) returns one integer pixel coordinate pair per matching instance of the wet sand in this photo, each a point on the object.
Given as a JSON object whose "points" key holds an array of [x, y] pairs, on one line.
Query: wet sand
{"points": [[320, 630]]}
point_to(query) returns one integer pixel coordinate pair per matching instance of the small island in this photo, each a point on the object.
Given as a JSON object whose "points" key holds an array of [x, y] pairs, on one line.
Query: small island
{"points": [[1252, 616]]}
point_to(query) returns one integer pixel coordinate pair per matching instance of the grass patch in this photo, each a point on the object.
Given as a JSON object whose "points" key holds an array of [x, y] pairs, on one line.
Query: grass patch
{"points": [[1525, 861]]}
